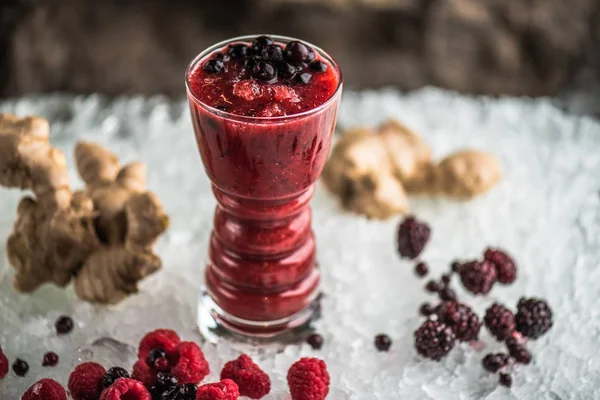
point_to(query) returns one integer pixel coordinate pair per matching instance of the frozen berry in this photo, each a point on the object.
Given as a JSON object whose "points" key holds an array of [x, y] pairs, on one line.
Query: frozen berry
{"points": [[318, 66], [165, 380], [478, 276], [412, 237], [500, 321], [50, 359], [63, 325], [308, 379], [433, 286], [315, 341], [112, 375], [421, 269], [144, 373], [239, 50], [518, 351], [45, 389], [3, 364], [297, 53], [461, 319], [260, 42], [286, 70], [434, 340], [221, 56], [191, 366], [426, 309], [264, 71], [447, 294], [155, 354], [533, 318], [125, 388], [214, 66], [161, 364], [252, 381], [455, 267], [383, 342], [272, 53], [505, 380], [164, 339], [506, 269], [85, 382], [187, 391], [20, 367], [495, 362], [446, 279], [303, 78], [224, 390]]}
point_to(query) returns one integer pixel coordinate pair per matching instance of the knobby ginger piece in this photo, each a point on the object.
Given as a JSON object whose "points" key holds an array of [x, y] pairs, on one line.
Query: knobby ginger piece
{"points": [[467, 173]]}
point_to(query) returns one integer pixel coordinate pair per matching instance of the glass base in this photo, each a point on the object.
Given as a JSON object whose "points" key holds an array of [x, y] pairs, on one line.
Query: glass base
{"points": [[217, 325]]}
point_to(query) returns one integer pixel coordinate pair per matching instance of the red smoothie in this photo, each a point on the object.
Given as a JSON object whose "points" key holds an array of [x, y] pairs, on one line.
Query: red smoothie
{"points": [[264, 111]]}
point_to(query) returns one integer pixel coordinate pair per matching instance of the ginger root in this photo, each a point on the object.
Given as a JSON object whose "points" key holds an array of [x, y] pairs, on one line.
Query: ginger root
{"points": [[372, 171], [102, 236]]}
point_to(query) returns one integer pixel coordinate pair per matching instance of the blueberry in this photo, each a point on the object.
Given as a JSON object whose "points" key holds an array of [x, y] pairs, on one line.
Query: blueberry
{"points": [[264, 71], [154, 355], [112, 375], [272, 53], [383, 342], [214, 66], [238, 50], [315, 341], [286, 70], [220, 56], [303, 78], [297, 53], [260, 42], [63, 325], [20, 367], [318, 66]]}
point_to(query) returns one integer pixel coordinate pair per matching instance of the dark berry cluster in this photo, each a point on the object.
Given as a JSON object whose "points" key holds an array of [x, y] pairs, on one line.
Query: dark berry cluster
{"points": [[269, 62], [533, 318], [412, 237], [461, 319], [434, 339], [500, 321]]}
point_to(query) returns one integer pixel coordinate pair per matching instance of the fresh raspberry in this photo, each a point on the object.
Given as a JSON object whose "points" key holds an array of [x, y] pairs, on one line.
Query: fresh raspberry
{"points": [[533, 318], [308, 379], [478, 276], [164, 339], [125, 388], [518, 351], [412, 237], [495, 362], [224, 390], [143, 373], [434, 340], [500, 321], [112, 375], [461, 319], [45, 389], [506, 268], [3, 364], [252, 381], [85, 382], [191, 366]]}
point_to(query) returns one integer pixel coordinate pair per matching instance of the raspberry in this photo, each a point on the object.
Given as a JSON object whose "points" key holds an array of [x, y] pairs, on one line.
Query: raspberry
{"points": [[143, 373], [500, 321], [495, 362], [125, 388], [252, 381], [50, 359], [191, 366], [434, 340], [478, 276], [461, 319], [45, 389], [85, 382], [518, 351], [412, 237], [383, 342], [164, 339], [533, 318], [112, 375], [224, 390], [315, 341], [308, 379], [505, 380], [3, 364], [421, 269], [506, 268]]}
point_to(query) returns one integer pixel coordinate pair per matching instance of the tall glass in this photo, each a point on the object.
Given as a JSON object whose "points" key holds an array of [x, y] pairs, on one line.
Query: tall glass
{"points": [[261, 279]]}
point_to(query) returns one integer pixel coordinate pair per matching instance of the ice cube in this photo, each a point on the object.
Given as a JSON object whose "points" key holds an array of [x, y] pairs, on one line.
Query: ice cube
{"points": [[247, 89], [284, 93]]}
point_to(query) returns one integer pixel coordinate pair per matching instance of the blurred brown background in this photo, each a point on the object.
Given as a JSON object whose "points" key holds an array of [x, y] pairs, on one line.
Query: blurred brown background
{"points": [[520, 47]]}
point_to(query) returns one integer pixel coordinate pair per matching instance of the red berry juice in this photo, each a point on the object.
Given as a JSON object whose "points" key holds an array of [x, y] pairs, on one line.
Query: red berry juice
{"points": [[264, 111]]}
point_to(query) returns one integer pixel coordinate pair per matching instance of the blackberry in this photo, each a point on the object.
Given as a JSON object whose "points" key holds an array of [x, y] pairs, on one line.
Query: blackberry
{"points": [[518, 351], [433, 286], [505, 380], [20, 367], [165, 381], [315, 341], [412, 237], [426, 309], [112, 375], [383, 342], [506, 269], [447, 294], [154, 355], [63, 325], [50, 359], [495, 362], [434, 340], [461, 319], [500, 321], [478, 277], [272, 53], [187, 391], [533, 318], [421, 269]]}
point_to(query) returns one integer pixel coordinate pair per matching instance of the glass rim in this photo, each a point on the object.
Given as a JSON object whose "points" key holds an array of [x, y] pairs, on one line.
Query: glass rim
{"points": [[249, 38]]}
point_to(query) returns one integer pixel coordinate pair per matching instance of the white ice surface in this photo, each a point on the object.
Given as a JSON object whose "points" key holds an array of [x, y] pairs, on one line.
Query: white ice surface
{"points": [[546, 212]]}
